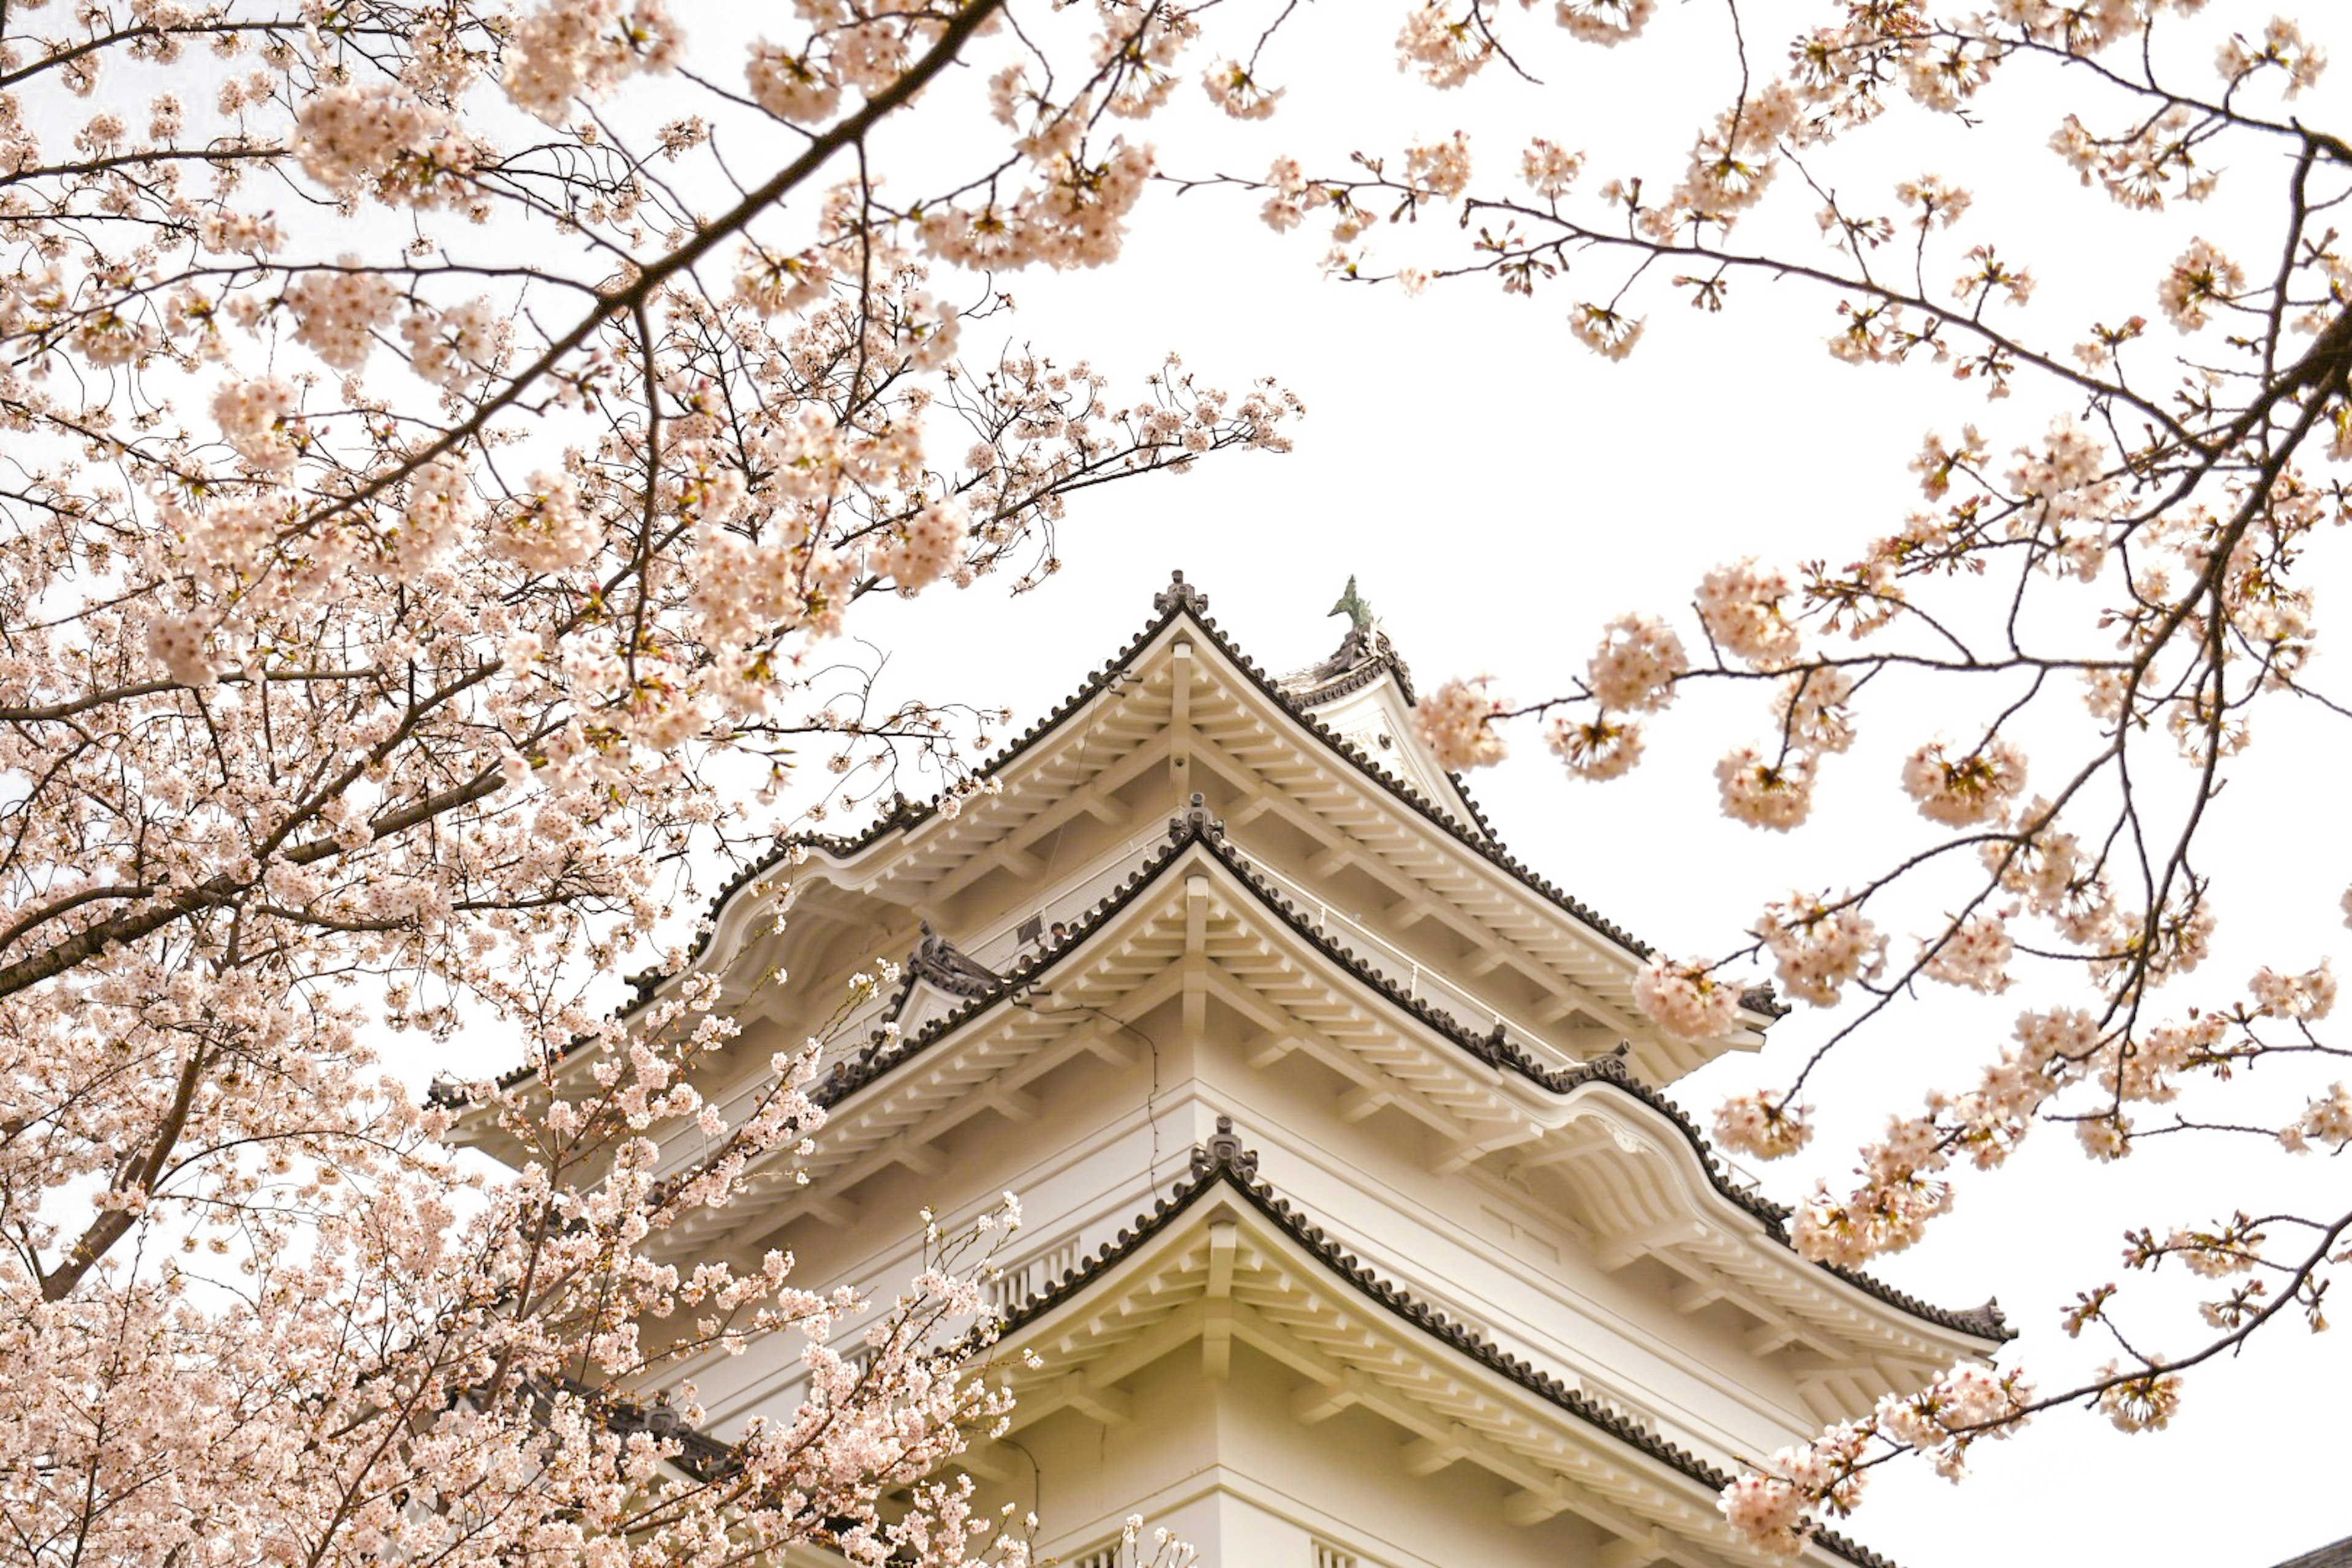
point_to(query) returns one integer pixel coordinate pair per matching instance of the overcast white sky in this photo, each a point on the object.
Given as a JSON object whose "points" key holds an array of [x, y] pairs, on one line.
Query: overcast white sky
{"points": [[1499, 492]]}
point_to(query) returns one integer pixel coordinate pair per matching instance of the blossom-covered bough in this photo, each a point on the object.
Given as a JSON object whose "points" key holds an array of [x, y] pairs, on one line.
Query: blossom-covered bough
{"points": [[2118, 585], [444, 444]]}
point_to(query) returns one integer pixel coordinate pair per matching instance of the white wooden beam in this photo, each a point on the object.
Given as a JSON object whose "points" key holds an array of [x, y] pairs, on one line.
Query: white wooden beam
{"points": [[1318, 1402], [1017, 1106], [1631, 1550], [1427, 1455], [1530, 1506], [915, 1154], [1617, 1251], [1461, 1156], [1217, 1341], [1179, 708], [1272, 1049], [985, 1462], [1106, 1407], [837, 1212], [1697, 1295], [1258, 804], [1224, 1239], [1217, 1305]]}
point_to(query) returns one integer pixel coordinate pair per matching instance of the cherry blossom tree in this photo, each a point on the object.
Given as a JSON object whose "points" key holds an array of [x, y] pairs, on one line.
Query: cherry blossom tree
{"points": [[446, 445], [2103, 593]]}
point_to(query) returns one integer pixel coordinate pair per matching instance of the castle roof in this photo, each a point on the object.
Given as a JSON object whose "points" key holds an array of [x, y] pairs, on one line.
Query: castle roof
{"points": [[885, 1054], [1224, 1165], [1363, 660]]}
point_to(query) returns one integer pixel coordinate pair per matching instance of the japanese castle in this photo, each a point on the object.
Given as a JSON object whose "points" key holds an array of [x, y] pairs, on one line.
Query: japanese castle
{"points": [[1359, 1230]]}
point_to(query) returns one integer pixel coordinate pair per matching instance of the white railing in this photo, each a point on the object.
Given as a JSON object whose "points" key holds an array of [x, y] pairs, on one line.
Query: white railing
{"points": [[1015, 1284]]}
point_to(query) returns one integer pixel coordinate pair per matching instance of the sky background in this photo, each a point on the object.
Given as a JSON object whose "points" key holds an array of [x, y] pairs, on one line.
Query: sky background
{"points": [[1499, 492]]}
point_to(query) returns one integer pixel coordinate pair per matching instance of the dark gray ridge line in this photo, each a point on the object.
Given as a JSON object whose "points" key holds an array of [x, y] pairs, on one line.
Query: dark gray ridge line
{"points": [[882, 1055], [1223, 1160], [1178, 598]]}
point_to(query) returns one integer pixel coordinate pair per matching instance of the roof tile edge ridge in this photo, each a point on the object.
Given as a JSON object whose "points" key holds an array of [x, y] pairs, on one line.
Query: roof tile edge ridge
{"points": [[1224, 1158]]}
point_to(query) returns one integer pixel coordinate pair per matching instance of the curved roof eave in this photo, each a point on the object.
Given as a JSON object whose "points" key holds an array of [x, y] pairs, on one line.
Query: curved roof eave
{"points": [[882, 1057], [1225, 1162]]}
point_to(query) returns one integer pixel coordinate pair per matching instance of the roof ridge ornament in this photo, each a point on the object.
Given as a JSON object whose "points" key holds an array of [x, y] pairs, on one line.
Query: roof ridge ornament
{"points": [[1223, 1151], [1352, 606], [1180, 595], [1365, 653], [1195, 821], [948, 967]]}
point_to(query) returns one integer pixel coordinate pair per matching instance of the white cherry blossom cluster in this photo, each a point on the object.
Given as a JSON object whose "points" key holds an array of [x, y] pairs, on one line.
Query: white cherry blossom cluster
{"points": [[1235, 89], [2141, 1400], [1439, 168], [551, 529], [792, 85], [2139, 167], [1903, 1187], [2200, 279], [2327, 1120], [1774, 1510], [1686, 999], [337, 312], [455, 347], [256, 417], [1548, 168], [581, 48], [925, 547], [1446, 49], [2309, 997], [1943, 74], [1901, 1192], [177, 643], [1605, 330], [1814, 709], [1731, 165], [388, 142], [1075, 217], [1974, 954], [1971, 787], [1763, 1125], [1598, 748], [1765, 791], [2065, 496], [2282, 47], [1634, 669], [1456, 724], [1745, 607], [1822, 946], [1964, 1406], [1604, 22]]}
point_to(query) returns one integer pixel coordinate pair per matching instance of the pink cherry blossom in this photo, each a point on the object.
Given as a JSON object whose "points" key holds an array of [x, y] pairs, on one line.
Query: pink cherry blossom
{"points": [[1685, 999], [1454, 724]]}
